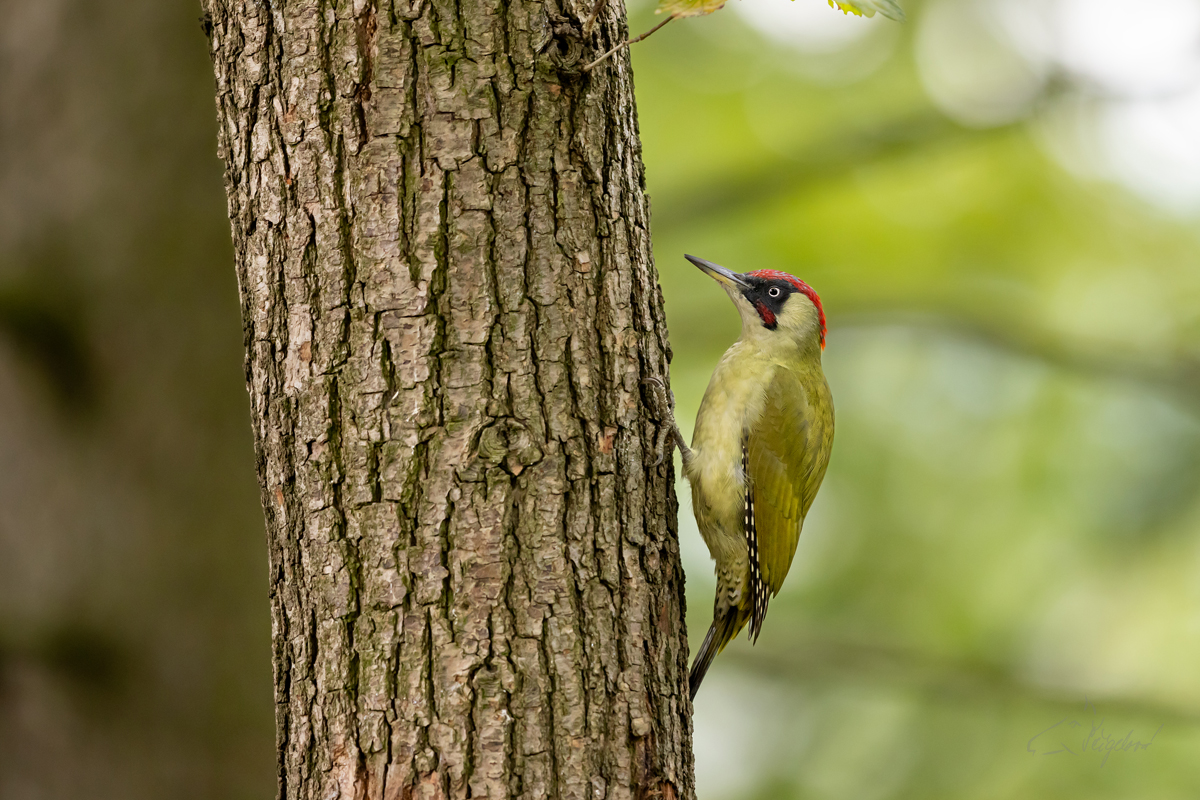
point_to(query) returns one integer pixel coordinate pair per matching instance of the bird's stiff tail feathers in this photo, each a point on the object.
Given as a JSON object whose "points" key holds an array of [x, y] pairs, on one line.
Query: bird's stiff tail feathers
{"points": [[720, 633]]}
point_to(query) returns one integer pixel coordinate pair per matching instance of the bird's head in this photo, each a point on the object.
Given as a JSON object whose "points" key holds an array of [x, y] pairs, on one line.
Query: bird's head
{"points": [[776, 308]]}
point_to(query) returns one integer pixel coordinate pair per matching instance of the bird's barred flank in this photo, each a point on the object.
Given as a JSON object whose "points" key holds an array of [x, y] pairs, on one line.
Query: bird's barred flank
{"points": [[758, 587]]}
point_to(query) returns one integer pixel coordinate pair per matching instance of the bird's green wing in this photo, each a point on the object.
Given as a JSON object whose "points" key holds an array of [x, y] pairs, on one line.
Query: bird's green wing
{"points": [[787, 451]]}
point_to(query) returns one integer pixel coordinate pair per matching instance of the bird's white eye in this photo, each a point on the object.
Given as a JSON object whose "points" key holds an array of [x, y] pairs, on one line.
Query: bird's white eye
{"points": [[774, 291]]}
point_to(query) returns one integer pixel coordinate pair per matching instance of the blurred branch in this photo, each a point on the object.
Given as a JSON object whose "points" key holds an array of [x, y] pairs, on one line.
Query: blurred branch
{"points": [[836, 155], [841, 151], [1178, 376], [820, 659]]}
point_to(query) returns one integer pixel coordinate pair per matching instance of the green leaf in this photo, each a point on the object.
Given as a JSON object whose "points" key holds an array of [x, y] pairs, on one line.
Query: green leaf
{"points": [[867, 8], [688, 8], [862, 8]]}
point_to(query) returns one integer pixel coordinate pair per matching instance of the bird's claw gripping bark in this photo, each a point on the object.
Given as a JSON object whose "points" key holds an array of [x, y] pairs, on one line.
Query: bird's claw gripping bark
{"points": [[664, 399]]}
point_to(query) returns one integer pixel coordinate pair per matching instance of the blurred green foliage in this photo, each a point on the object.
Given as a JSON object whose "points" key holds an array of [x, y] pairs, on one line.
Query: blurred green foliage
{"points": [[1008, 528]]}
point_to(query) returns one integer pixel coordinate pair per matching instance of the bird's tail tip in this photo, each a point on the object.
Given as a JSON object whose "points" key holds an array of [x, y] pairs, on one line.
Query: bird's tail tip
{"points": [[722, 630], [708, 652]]}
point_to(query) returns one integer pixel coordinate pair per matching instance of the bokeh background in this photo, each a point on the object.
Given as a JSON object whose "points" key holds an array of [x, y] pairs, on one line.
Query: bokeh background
{"points": [[999, 202]]}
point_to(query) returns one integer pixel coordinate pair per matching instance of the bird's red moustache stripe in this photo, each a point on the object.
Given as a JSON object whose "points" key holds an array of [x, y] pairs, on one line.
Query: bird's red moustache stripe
{"points": [[768, 316]]}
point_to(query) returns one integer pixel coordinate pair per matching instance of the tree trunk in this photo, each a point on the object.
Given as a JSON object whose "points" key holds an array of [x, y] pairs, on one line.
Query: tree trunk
{"points": [[450, 306]]}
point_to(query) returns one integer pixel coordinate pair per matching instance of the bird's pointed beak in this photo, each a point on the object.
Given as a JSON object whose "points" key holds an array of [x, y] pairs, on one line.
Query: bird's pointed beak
{"points": [[719, 273]]}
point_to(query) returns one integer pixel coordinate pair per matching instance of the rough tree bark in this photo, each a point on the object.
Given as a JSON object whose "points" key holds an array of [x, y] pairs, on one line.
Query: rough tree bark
{"points": [[450, 306]]}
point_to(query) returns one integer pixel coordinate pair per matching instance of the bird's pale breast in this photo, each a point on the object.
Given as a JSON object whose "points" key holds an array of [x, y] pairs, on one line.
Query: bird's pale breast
{"points": [[733, 400]]}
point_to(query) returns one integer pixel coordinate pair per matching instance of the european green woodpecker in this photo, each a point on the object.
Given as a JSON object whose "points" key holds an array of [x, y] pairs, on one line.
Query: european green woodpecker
{"points": [[759, 451]]}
